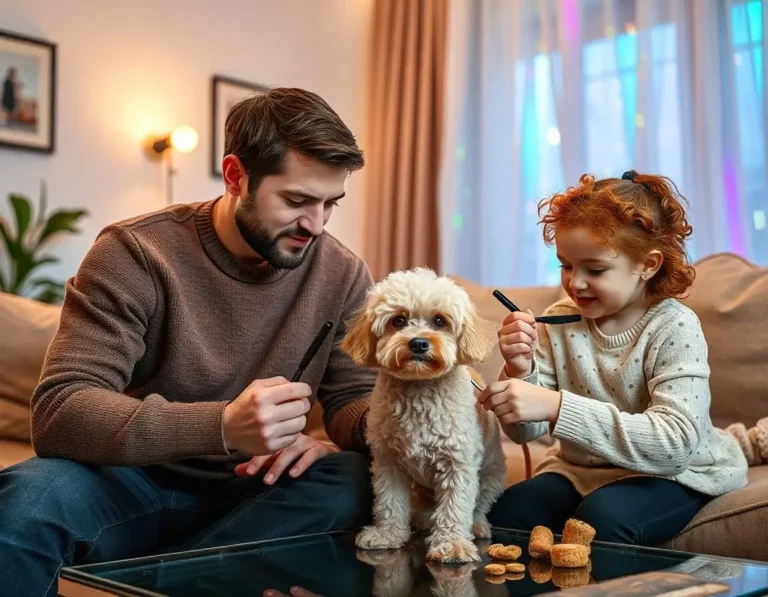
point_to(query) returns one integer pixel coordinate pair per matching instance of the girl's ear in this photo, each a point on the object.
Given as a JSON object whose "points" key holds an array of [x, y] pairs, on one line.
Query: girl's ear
{"points": [[652, 264]]}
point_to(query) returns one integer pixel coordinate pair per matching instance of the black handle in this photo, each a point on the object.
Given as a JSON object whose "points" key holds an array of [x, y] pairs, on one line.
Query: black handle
{"points": [[550, 319], [312, 350]]}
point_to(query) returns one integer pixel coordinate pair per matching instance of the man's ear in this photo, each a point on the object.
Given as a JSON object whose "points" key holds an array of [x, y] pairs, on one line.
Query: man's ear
{"points": [[476, 341], [652, 264], [359, 342]]}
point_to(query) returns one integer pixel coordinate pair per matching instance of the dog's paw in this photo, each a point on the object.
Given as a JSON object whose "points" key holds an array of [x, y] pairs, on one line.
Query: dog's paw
{"points": [[383, 557], [454, 551], [481, 529], [372, 537]]}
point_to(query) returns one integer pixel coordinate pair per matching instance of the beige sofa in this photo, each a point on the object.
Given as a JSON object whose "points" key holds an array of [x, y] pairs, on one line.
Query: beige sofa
{"points": [[730, 296]]}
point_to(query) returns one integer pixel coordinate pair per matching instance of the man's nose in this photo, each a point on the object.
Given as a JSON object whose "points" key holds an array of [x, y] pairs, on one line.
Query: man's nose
{"points": [[313, 222]]}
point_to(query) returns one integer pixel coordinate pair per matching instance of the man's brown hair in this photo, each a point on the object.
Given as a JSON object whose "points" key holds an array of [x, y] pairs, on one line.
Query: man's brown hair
{"points": [[260, 130]]}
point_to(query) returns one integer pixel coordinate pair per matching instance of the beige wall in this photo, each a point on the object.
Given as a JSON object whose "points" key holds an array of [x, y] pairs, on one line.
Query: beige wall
{"points": [[129, 68]]}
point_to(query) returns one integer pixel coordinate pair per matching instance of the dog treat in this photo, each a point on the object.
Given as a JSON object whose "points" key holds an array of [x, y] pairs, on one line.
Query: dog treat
{"points": [[540, 543], [496, 580], [514, 576], [507, 553], [570, 577], [570, 555], [514, 567], [495, 569], [578, 532], [540, 571]]}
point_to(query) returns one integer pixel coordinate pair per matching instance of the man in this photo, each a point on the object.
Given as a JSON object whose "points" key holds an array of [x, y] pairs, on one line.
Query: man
{"points": [[163, 418]]}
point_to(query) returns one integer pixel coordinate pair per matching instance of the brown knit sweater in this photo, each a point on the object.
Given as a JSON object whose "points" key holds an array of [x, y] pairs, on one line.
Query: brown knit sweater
{"points": [[162, 326]]}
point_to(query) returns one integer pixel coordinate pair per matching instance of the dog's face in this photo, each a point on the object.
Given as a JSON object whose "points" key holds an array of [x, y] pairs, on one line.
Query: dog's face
{"points": [[418, 326]]}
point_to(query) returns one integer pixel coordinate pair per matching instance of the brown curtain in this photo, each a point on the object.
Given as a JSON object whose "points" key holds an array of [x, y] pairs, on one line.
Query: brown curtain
{"points": [[405, 112]]}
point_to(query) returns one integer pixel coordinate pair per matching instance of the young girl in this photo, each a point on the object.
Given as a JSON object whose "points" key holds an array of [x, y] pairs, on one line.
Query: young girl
{"points": [[626, 390]]}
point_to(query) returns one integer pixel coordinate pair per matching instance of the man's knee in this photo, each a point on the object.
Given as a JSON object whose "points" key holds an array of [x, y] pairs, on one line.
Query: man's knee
{"points": [[347, 478], [39, 490]]}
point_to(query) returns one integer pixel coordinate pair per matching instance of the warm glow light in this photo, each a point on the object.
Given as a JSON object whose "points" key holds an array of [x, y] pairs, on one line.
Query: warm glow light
{"points": [[631, 29], [639, 121], [184, 138]]}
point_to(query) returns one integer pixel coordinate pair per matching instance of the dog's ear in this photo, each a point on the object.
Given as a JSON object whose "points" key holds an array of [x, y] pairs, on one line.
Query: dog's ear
{"points": [[476, 341], [359, 342]]}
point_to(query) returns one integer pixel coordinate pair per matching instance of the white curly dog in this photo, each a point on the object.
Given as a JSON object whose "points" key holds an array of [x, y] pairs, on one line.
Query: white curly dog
{"points": [[436, 453]]}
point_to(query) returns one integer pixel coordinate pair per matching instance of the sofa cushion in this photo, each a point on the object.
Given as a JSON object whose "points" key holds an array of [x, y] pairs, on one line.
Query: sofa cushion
{"points": [[30, 325], [732, 525], [730, 297]]}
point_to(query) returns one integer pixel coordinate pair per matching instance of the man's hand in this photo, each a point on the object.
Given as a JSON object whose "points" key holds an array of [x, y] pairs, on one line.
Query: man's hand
{"points": [[268, 416], [517, 401], [306, 449], [517, 343]]}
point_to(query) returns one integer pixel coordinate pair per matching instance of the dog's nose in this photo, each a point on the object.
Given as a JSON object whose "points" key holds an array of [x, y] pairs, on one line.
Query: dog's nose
{"points": [[418, 345]]}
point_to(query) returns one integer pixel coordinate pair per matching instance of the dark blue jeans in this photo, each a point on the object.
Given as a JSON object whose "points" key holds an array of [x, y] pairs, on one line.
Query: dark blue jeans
{"points": [[636, 511], [56, 513]]}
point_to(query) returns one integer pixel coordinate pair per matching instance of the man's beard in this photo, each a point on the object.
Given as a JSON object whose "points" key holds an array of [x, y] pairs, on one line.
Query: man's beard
{"points": [[257, 237]]}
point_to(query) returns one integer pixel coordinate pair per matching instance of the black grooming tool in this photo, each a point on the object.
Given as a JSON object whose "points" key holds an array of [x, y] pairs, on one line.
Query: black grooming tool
{"points": [[312, 350], [550, 319]]}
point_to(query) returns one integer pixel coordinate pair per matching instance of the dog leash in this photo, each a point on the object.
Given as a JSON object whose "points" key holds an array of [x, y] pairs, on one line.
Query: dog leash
{"points": [[526, 451]]}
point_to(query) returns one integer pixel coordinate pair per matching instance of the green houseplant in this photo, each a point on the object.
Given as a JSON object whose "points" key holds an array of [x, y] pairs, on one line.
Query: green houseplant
{"points": [[24, 247]]}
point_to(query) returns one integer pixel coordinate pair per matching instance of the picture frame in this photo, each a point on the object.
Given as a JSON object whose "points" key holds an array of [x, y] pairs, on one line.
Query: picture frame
{"points": [[225, 93], [27, 92]]}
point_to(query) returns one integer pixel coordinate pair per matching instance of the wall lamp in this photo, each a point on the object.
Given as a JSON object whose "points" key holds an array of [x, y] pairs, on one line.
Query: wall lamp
{"points": [[182, 139]]}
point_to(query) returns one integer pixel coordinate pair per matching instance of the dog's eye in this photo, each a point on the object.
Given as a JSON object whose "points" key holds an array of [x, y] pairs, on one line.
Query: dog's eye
{"points": [[399, 321], [438, 321]]}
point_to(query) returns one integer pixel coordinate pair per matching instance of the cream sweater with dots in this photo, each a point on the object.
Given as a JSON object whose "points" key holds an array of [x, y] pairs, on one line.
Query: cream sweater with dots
{"points": [[633, 404]]}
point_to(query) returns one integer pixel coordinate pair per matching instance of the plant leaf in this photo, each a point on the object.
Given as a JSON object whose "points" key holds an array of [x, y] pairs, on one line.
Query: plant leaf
{"points": [[52, 292], [2, 283], [23, 210], [61, 221], [24, 266], [11, 244], [35, 282]]}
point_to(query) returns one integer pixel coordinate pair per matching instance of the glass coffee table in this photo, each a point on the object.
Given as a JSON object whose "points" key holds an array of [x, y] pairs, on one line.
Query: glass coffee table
{"points": [[329, 565]]}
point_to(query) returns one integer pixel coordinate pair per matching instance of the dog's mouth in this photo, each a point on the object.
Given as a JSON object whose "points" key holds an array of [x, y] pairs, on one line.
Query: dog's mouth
{"points": [[421, 358]]}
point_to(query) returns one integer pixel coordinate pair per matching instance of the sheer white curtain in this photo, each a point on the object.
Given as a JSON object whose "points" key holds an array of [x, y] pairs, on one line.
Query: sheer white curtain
{"points": [[540, 91]]}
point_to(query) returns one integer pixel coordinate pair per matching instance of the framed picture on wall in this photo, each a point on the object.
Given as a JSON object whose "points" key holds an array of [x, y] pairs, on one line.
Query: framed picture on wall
{"points": [[27, 93], [226, 93]]}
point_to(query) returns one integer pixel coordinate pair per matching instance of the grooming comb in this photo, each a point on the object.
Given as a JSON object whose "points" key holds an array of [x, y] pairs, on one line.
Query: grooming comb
{"points": [[550, 319], [312, 350]]}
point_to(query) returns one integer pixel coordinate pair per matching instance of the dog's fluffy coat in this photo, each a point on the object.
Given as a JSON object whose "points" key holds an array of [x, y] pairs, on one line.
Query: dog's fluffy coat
{"points": [[437, 457]]}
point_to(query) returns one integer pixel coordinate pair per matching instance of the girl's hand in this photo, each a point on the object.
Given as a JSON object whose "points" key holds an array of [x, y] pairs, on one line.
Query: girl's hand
{"points": [[517, 401], [517, 342]]}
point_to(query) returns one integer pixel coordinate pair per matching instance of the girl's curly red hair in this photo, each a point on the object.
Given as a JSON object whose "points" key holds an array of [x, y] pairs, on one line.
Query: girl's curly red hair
{"points": [[632, 216]]}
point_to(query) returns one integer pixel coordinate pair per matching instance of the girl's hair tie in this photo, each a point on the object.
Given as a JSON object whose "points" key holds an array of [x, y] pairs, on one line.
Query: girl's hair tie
{"points": [[630, 175]]}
